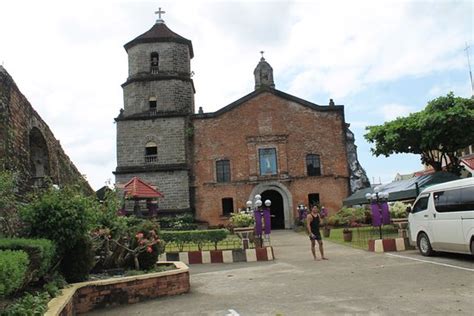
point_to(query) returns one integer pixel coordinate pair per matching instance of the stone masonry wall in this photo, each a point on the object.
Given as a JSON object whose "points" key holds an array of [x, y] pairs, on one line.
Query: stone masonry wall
{"points": [[173, 184], [269, 121], [167, 133], [173, 58], [17, 120], [172, 95]]}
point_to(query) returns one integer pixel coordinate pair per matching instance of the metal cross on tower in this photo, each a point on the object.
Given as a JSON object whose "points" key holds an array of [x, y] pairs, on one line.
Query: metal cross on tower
{"points": [[160, 12], [261, 52]]}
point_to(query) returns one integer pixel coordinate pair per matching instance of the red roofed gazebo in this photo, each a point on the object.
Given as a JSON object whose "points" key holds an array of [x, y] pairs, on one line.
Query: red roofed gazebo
{"points": [[138, 190]]}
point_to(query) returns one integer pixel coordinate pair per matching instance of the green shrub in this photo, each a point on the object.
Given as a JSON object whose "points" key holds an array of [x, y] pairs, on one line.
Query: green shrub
{"points": [[41, 254], [10, 224], [78, 261], [398, 210], [13, 268], [198, 237], [348, 216], [63, 216], [178, 222], [29, 305], [242, 220]]}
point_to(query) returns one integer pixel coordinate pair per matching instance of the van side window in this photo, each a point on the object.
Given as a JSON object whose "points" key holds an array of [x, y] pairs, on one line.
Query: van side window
{"points": [[467, 199], [421, 205], [454, 200]]}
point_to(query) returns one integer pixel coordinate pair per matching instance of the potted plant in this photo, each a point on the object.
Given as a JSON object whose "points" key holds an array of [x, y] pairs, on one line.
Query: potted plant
{"points": [[242, 224], [347, 234]]}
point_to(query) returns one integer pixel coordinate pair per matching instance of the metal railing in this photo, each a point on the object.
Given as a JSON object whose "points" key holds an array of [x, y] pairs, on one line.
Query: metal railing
{"points": [[151, 158]]}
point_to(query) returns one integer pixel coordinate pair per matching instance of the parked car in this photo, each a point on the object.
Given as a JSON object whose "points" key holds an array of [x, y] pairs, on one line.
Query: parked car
{"points": [[442, 218]]}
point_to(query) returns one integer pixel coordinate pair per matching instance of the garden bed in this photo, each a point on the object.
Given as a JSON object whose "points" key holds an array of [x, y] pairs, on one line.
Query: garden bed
{"points": [[83, 297], [362, 235]]}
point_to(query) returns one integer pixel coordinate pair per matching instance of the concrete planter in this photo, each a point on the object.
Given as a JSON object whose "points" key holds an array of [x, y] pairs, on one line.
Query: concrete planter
{"points": [[389, 244], [347, 235], [84, 297]]}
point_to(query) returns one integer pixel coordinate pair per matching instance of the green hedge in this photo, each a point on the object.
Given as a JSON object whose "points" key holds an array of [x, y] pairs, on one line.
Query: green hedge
{"points": [[13, 268], [41, 254], [198, 237]]}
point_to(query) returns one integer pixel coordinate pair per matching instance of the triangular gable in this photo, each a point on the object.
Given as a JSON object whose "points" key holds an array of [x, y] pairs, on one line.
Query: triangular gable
{"points": [[275, 92]]}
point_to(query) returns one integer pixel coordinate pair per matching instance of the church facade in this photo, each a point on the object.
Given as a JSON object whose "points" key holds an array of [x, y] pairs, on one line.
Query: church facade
{"points": [[268, 142]]}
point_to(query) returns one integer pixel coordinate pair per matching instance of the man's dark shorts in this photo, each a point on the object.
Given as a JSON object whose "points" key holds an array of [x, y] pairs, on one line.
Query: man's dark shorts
{"points": [[317, 236]]}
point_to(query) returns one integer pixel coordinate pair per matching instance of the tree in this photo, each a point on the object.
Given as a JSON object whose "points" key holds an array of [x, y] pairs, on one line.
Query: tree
{"points": [[436, 133]]}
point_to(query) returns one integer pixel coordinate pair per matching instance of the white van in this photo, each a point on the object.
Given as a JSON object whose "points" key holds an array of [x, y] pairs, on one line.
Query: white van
{"points": [[442, 218]]}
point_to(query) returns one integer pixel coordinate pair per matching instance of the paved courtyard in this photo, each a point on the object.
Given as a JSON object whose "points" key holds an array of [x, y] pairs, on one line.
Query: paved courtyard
{"points": [[351, 282]]}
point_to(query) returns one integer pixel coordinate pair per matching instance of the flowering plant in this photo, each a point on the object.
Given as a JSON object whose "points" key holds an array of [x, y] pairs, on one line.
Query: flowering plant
{"points": [[242, 219], [323, 213]]}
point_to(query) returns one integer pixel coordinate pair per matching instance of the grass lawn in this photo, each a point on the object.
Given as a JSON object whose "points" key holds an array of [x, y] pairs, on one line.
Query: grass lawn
{"points": [[361, 235]]}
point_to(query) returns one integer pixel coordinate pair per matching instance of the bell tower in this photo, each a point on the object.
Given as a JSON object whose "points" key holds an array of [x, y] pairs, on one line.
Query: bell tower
{"points": [[263, 74], [153, 129]]}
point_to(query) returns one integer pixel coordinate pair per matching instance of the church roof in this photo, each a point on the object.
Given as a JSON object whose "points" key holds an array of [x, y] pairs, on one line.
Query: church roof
{"points": [[137, 188], [275, 92], [160, 33]]}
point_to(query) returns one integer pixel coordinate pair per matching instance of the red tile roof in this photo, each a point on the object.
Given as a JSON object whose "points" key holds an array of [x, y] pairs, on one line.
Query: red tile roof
{"points": [[137, 188], [468, 161]]}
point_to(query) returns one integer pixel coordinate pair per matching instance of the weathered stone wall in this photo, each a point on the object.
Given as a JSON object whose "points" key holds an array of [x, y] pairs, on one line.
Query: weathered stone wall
{"points": [[359, 178], [168, 134], [21, 126], [173, 58], [172, 95], [268, 120]]}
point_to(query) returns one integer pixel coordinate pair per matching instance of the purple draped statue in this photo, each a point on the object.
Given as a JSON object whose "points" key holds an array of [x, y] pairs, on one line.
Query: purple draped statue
{"points": [[262, 216], [380, 214]]}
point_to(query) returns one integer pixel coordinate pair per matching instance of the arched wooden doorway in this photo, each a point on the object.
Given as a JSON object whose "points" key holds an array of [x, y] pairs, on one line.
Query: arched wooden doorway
{"points": [[277, 209]]}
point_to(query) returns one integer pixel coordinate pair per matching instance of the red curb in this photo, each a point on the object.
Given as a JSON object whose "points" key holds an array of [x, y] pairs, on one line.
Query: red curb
{"points": [[371, 245], [216, 256], [261, 254], [389, 245], [194, 257]]}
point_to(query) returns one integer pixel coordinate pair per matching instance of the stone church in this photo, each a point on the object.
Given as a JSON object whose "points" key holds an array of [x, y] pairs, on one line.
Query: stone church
{"points": [[268, 142]]}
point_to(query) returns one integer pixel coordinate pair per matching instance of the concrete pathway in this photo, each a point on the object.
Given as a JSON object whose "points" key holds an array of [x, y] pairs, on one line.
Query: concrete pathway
{"points": [[352, 282]]}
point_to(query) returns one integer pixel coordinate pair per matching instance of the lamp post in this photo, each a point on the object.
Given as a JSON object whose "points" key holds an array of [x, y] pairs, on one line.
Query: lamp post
{"points": [[380, 214], [261, 216]]}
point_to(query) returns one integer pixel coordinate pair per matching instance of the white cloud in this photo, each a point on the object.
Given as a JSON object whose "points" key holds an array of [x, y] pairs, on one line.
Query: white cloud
{"points": [[68, 57], [393, 110]]}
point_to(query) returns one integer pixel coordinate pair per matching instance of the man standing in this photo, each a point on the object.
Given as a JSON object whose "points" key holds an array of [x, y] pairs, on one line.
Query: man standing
{"points": [[312, 225]]}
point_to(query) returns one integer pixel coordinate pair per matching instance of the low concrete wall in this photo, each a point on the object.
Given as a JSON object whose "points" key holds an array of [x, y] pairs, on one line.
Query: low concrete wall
{"points": [[389, 244], [86, 296], [220, 256]]}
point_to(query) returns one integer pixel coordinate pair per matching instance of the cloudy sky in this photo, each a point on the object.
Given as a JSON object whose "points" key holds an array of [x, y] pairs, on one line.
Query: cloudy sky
{"points": [[381, 59]]}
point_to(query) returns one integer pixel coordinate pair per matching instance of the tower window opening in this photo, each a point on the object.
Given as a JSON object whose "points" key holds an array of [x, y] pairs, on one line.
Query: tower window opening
{"points": [[152, 104], [154, 63], [313, 165], [151, 152]]}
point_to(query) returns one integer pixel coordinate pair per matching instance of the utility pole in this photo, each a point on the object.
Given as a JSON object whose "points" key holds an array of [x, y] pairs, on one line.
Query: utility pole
{"points": [[470, 72]]}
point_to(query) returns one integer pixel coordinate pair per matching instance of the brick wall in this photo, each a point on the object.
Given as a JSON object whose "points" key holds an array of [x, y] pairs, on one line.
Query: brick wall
{"points": [[17, 120], [100, 296], [268, 120]]}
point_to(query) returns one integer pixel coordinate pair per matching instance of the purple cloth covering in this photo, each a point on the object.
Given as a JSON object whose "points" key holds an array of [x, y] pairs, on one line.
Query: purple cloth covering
{"points": [[385, 213], [268, 221], [262, 216], [376, 218]]}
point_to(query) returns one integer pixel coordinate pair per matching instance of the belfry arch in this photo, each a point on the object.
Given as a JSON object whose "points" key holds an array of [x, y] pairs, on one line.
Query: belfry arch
{"points": [[285, 194], [39, 157]]}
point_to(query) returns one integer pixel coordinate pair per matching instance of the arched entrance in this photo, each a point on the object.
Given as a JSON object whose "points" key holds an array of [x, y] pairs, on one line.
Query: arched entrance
{"points": [[276, 209], [284, 200]]}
